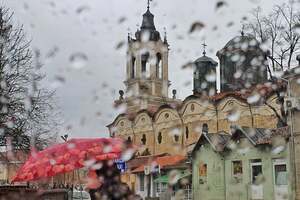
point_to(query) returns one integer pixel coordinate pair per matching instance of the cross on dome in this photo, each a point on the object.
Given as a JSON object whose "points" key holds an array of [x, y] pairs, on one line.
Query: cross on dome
{"points": [[204, 48]]}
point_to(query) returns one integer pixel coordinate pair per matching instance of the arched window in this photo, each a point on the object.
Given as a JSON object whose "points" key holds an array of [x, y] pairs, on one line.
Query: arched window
{"points": [[159, 70], [144, 139], [159, 138], [133, 66], [145, 65], [187, 132], [205, 128], [176, 138], [129, 139]]}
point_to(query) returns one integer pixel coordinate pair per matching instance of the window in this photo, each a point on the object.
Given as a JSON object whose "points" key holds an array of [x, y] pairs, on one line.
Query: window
{"points": [[142, 182], [281, 177], [237, 168], [132, 75], [161, 188], [129, 139], [256, 170], [205, 128], [159, 138], [176, 138], [158, 66], [144, 139], [203, 170], [202, 173], [167, 115], [145, 65], [192, 107], [187, 132]]}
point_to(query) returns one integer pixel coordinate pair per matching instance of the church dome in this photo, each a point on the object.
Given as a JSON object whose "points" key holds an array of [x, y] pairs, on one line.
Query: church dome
{"points": [[241, 43], [243, 63], [148, 27], [205, 59]]}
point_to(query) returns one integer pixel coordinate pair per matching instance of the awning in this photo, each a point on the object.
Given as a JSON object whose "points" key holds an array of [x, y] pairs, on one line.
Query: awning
{"points": [[162, 179], [165, 178]]}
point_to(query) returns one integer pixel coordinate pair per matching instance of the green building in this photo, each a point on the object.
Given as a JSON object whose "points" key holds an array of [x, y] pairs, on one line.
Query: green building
{"points": [[249, 163]]}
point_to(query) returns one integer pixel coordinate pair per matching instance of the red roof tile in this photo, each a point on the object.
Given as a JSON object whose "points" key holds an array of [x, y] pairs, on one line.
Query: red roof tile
{"points": [[164, 161]]}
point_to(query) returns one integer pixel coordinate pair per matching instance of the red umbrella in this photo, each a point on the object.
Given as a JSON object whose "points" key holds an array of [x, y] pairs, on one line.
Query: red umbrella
{"points": [[68, 156]]}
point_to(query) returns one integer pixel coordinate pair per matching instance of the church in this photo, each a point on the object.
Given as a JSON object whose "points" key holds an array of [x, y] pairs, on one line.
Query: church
{"points": [[168, 130], [162, 124]]}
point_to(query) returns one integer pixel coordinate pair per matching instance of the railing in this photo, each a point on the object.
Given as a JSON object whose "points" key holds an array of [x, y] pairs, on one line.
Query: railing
{"points": [[188, 194]]}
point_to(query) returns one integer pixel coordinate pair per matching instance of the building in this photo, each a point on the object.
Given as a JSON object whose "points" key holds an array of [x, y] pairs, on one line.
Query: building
{"points": [[155, 180], [249, 163], [10, 162], [166, 126]]}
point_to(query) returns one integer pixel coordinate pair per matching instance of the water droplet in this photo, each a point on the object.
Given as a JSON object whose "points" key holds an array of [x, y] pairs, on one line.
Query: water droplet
{"points": [[89, 163], [196, 26], [127, 154], [120, 45], [233, 115], [243, 151], [122, 19], [71, 146], [78, 60], [253, 98], [145, 36], [174, 177], [278, 150], [220, 4], [58, 82], [211, 77]]}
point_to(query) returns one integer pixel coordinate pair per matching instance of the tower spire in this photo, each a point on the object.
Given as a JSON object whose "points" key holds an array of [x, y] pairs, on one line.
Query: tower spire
{"points": [[165, 35]]}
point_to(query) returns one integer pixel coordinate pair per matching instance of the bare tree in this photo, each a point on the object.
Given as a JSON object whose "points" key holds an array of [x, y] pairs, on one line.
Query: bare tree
{"points": [[279, 33], [26, 109]]}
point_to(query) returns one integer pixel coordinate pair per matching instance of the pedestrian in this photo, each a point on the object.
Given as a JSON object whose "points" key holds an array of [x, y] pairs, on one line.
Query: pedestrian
{"points": [[111, 186]]}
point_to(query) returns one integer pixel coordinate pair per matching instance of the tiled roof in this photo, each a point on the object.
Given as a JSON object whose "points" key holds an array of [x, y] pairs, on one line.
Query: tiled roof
{"points": [[163, 162], [264, 90], [136, 162], [218, 140], [263, 136], [257, 136]]}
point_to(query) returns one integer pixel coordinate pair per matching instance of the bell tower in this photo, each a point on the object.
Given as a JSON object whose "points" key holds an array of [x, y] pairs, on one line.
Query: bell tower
{"points": [[147, 81]]}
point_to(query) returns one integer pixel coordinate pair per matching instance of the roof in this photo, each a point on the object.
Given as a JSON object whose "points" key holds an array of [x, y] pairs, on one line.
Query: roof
{"points": [[263, 90], [204, 58], [148, 27], [217, 140], [242, 42], [163, 162], [138, 161], [148, 22], [257, 136], [166, 178]]}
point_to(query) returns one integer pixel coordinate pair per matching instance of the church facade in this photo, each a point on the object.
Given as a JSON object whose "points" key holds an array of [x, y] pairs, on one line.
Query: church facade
{"points": [[161, 124]]}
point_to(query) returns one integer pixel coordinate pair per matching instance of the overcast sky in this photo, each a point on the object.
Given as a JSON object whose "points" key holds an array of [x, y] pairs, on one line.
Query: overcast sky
{"points": [[90, 30]]}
